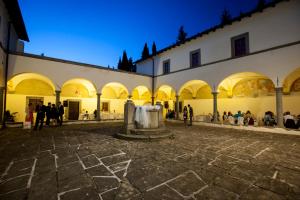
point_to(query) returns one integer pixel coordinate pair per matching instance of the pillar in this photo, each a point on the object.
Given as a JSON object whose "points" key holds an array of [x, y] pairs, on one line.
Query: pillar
{"points": [[98, 107], [215, 102], [279, 112], [152, 100], [177, 107], [160, 115], [57, 96], [2, 93]]}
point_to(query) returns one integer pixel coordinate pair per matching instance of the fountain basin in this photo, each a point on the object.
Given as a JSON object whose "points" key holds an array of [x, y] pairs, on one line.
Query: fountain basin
{"points": [[144, 123]]}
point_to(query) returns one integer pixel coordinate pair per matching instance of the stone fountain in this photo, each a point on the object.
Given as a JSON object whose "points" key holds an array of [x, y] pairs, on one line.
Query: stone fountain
{"points": [[144, 122]]}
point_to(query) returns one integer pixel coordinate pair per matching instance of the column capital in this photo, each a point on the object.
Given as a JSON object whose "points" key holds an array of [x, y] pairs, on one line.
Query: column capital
{"points": [[215, 92], [57, 91], [129, 96], [99, 94], [278, 88]]}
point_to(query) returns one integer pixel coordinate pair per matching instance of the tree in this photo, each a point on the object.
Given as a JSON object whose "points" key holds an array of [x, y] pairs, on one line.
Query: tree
{"points": [[145, 53], [125, 61], [225, 17], [130, 64], [120, 64], [154, 52], [181, 35], [260, 4]]}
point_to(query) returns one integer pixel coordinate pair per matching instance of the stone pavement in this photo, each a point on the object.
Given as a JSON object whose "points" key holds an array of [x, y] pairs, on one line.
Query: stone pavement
{"points": [[85, 162]]}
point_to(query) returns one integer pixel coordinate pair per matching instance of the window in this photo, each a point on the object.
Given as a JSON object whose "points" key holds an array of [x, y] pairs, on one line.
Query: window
{"points": [[34, 101], [105, 107], [240, 45], [166, 66], [195, 58]]}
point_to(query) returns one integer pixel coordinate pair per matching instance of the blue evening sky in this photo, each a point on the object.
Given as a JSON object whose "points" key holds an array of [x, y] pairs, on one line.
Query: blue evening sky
{"points": [[97, 31]]}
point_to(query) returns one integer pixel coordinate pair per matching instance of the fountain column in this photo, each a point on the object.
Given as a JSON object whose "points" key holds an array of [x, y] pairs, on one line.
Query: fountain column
{"points": [[160, 115], [98, 107], [177, 107], [215, 114], [279, 112], [129, 116]]}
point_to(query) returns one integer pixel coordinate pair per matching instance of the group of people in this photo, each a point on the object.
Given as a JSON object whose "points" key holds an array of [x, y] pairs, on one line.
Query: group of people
{"points": [[53, 113], [170, 114], [239, 118], [188, 113]]}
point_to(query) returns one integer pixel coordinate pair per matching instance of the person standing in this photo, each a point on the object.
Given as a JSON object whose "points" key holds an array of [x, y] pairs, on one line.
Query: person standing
{"points": [[61, 112], [48, 114], [40, 115], [185, 115], [191, 114]]}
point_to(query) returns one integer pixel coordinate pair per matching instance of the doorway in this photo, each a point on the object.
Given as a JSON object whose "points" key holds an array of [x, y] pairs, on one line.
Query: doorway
{"points": [[74, 110]]}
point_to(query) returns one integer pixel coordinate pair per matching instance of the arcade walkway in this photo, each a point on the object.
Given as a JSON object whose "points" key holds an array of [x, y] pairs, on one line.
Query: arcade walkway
{"points": [[87, 162]]}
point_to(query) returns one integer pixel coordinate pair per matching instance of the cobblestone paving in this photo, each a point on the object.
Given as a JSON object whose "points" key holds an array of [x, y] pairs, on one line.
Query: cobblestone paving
{"points": [[85, 162]]}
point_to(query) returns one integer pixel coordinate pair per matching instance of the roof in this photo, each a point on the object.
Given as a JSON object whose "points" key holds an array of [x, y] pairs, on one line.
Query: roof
{"points": [[15, 15], [214, 28]]}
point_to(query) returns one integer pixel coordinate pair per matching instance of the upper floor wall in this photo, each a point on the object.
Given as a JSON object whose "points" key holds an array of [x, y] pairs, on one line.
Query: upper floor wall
{"points": [[273, 27]]}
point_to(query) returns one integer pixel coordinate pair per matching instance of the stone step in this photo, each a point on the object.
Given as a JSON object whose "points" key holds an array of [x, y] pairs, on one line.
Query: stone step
{"points": [[154, 131], [145, 137]]}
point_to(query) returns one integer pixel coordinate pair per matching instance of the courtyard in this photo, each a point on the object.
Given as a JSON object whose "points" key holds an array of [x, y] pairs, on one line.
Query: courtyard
{"points": [[88, 162]]}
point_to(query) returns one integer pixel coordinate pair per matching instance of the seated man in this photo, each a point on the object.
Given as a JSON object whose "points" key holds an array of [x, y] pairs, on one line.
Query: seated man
{"points": [[288, 120], [269, 119]]}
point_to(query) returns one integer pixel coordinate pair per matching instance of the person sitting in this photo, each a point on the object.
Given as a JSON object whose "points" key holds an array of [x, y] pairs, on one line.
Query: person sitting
{"points": [[239, 119], [269, 119], [86, 115], [249, 119], [298, 122], [288, 120], [231, 119], [225, 117]]}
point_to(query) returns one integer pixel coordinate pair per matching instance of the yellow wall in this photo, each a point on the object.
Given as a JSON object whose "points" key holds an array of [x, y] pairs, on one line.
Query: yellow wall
{"points": [[17, 103], [257, 106]]}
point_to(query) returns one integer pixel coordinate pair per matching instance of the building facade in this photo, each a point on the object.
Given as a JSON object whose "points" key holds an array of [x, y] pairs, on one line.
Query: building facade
{"points": [[253, 64]]}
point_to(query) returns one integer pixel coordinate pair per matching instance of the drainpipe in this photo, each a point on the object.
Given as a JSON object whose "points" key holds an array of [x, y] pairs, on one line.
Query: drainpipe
{"points": [[6, 74], [152, 97]]}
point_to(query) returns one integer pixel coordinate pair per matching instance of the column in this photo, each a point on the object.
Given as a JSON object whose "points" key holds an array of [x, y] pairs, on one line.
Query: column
{"points": [[279, 109], [98, 107], [57, 95], [215, 114], [177, 107], [152, 100], [2, 91]]}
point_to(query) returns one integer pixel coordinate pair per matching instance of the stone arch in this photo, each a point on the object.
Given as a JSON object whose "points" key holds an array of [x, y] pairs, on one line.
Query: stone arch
{"points": [[165, 93], [31, 84], [141, 93], [245, 84], [291, 82], [195, 89], [245, 91], [114, 90], [78, 87]]}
